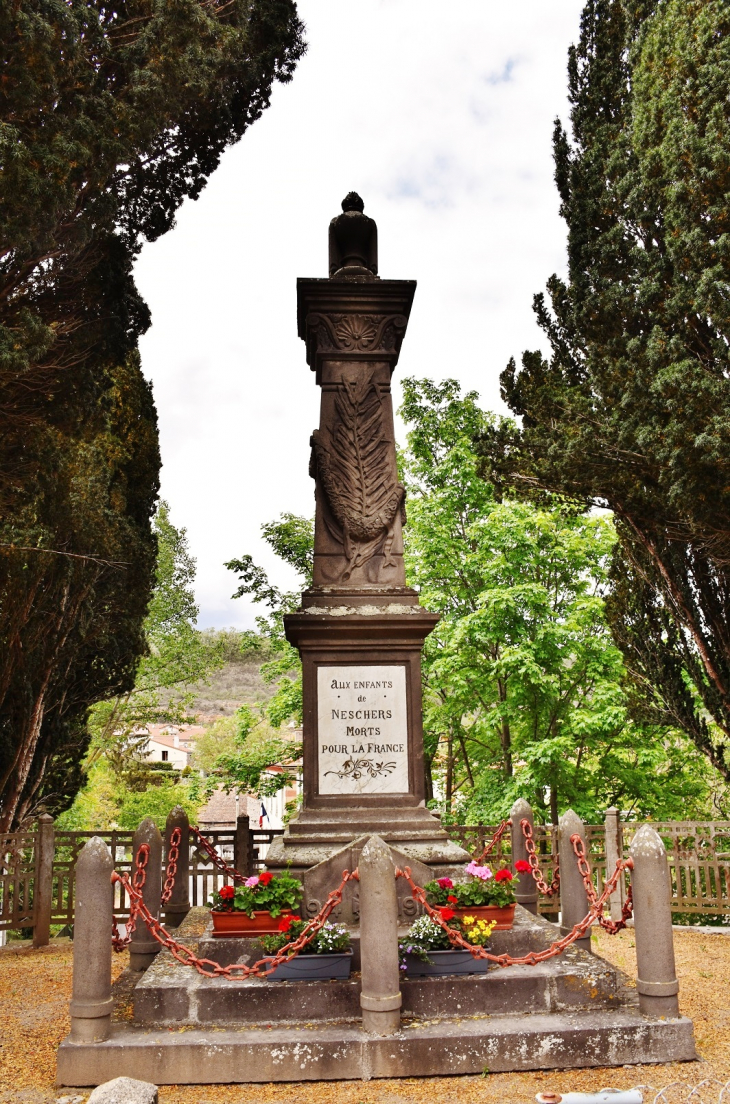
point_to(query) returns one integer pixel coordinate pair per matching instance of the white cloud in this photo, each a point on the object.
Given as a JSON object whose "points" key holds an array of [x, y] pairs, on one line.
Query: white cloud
{"points": [[441, 117]]}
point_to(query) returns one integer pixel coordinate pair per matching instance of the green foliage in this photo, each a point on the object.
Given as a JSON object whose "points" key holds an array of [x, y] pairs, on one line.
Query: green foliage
{"points": [[255, 748], [112, 115], [632, 409], [292, 539], [177, 655], [523, 692]]}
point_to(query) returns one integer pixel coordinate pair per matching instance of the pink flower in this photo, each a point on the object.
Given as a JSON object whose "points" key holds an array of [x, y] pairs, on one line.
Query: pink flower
{"points": [[251, 882], [445, 883], [482, 872]]}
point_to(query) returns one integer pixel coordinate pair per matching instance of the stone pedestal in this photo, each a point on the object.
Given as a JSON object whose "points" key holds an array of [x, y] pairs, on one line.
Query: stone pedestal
{"points": [[360, 629]]}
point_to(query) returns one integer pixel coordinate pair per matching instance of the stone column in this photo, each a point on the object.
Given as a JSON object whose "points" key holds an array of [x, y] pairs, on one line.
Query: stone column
{"points": [[43, 884], [526, 890], [244, 859], [380, 998], [656, 982], [614, 852], [143, 948], [91, 1001], [178, 906], [574, 901]]}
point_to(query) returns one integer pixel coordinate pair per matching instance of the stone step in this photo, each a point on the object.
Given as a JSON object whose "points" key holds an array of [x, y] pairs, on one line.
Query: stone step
{"points": [[344, 1052], [170, 994]]}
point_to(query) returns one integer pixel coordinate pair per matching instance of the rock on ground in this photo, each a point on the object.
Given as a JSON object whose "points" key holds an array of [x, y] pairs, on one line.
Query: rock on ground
{"points": [[124, 1090]]}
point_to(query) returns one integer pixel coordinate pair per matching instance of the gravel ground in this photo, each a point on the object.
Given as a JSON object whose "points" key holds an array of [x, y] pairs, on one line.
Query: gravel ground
{"points": [[35, 987]]}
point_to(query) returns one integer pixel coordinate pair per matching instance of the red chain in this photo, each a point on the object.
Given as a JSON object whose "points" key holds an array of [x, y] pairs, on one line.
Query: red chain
{"points": [[215, 857], [494, 841], [547, 890], [119, 942], [171, 865], [534, 957], [611, 926], [206, 966]]}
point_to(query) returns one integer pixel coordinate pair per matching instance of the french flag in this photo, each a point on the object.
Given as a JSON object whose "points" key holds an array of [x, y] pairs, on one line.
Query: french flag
{"points": [[262, 815]]}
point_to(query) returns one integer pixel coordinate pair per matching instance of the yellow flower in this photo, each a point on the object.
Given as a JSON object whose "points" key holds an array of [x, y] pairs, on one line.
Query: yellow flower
{"points": [[469, 919]]}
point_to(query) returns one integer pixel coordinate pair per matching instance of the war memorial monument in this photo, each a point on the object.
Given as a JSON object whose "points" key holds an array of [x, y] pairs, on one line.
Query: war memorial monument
{"points": [[360, 632]]}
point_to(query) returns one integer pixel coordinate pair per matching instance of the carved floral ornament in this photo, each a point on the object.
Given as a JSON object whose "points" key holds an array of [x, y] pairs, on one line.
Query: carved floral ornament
{"points": [[355, 333]]}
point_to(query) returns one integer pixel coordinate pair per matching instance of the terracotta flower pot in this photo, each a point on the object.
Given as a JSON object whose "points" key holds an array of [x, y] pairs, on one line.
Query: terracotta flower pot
{"points": [[503, 915], [240, 923]]}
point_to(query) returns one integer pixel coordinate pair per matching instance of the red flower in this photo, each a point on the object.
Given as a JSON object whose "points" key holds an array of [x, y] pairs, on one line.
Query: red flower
{"points": [[452, 900], [522, 866], [226, 893], [285, 923], [445, 883], [447, 914], [503, 876], [265, 878]]}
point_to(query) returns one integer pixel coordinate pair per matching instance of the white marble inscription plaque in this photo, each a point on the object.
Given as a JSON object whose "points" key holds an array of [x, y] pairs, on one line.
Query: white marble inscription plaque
{"points": [[363, 730]]}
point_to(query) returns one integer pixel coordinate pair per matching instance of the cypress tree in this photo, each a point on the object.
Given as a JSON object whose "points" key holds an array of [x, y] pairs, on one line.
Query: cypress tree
{"points": [[631, 410], [112, 114]]}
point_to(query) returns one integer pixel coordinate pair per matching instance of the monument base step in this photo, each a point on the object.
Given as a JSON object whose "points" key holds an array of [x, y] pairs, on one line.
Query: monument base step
{"points": [[340, 1052]]}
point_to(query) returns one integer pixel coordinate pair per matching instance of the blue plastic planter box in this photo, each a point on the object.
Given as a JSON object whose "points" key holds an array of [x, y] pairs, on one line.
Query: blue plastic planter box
{"points": [[314, 967], [446, 962]]}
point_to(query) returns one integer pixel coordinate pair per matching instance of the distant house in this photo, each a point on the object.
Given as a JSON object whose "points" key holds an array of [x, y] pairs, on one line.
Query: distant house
{"points": [[173, 744]]}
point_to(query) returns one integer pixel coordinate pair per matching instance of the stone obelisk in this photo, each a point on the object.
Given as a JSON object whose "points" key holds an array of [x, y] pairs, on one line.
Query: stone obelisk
{"points": [[360, 629]]}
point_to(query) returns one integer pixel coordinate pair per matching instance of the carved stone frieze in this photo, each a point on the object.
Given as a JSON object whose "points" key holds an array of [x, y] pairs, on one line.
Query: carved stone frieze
{"points": [[367, 334], [353, 462]]}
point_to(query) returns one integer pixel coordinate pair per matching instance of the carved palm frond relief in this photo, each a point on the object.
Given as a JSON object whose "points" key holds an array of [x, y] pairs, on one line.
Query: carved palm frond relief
{"points": [[357, 472]]}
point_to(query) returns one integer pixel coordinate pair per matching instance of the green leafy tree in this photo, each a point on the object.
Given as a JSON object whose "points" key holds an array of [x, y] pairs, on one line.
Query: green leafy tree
{"points": [[522, 682], [292, 539], [112, 115], [177, 656], [632, 408]]}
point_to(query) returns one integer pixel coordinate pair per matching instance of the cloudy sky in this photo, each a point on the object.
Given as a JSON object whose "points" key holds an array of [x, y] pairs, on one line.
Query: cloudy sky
{"points": [[440, 116]]}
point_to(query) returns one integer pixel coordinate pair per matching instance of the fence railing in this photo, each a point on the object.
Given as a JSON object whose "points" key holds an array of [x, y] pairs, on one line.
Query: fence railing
{"points": [[698, 851]]}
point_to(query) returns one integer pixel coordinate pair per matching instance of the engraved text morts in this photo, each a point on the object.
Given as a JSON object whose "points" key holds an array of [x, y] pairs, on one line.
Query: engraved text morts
{"points": [[363, 730], [360, 629]]}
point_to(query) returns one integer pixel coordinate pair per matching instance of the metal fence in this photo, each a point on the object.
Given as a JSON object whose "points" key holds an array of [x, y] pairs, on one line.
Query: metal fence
{"points": [[698, 851]]}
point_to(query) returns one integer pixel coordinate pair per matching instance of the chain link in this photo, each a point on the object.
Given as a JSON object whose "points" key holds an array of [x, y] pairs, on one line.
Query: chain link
{"points": [[171, 865], [120, 942], [534, 957], [206, 966], [542, 885], [611, 926], [215, 857], [494, 841]]}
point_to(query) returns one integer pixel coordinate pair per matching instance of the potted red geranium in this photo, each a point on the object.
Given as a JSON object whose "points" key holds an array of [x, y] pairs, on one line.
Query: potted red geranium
{"points": [[486, 894], [255, 907]]}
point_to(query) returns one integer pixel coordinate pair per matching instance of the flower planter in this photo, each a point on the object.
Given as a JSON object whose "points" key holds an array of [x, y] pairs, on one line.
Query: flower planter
{"points": [[227, 924], [446, 962], [504, 916], [313, 967]]}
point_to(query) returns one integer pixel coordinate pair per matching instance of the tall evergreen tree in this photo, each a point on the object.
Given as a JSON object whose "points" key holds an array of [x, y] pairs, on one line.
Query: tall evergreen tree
{"points": [[112, 114], [632, 409]]}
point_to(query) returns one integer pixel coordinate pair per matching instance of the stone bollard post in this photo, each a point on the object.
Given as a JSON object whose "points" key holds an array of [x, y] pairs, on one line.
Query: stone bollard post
{"points": [[43, 884], [143, 948], [656, 982], [91, 1000], [574, 903], [178, 906], [380, 998], [244, 860], [526, 890], [614, 852]]}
